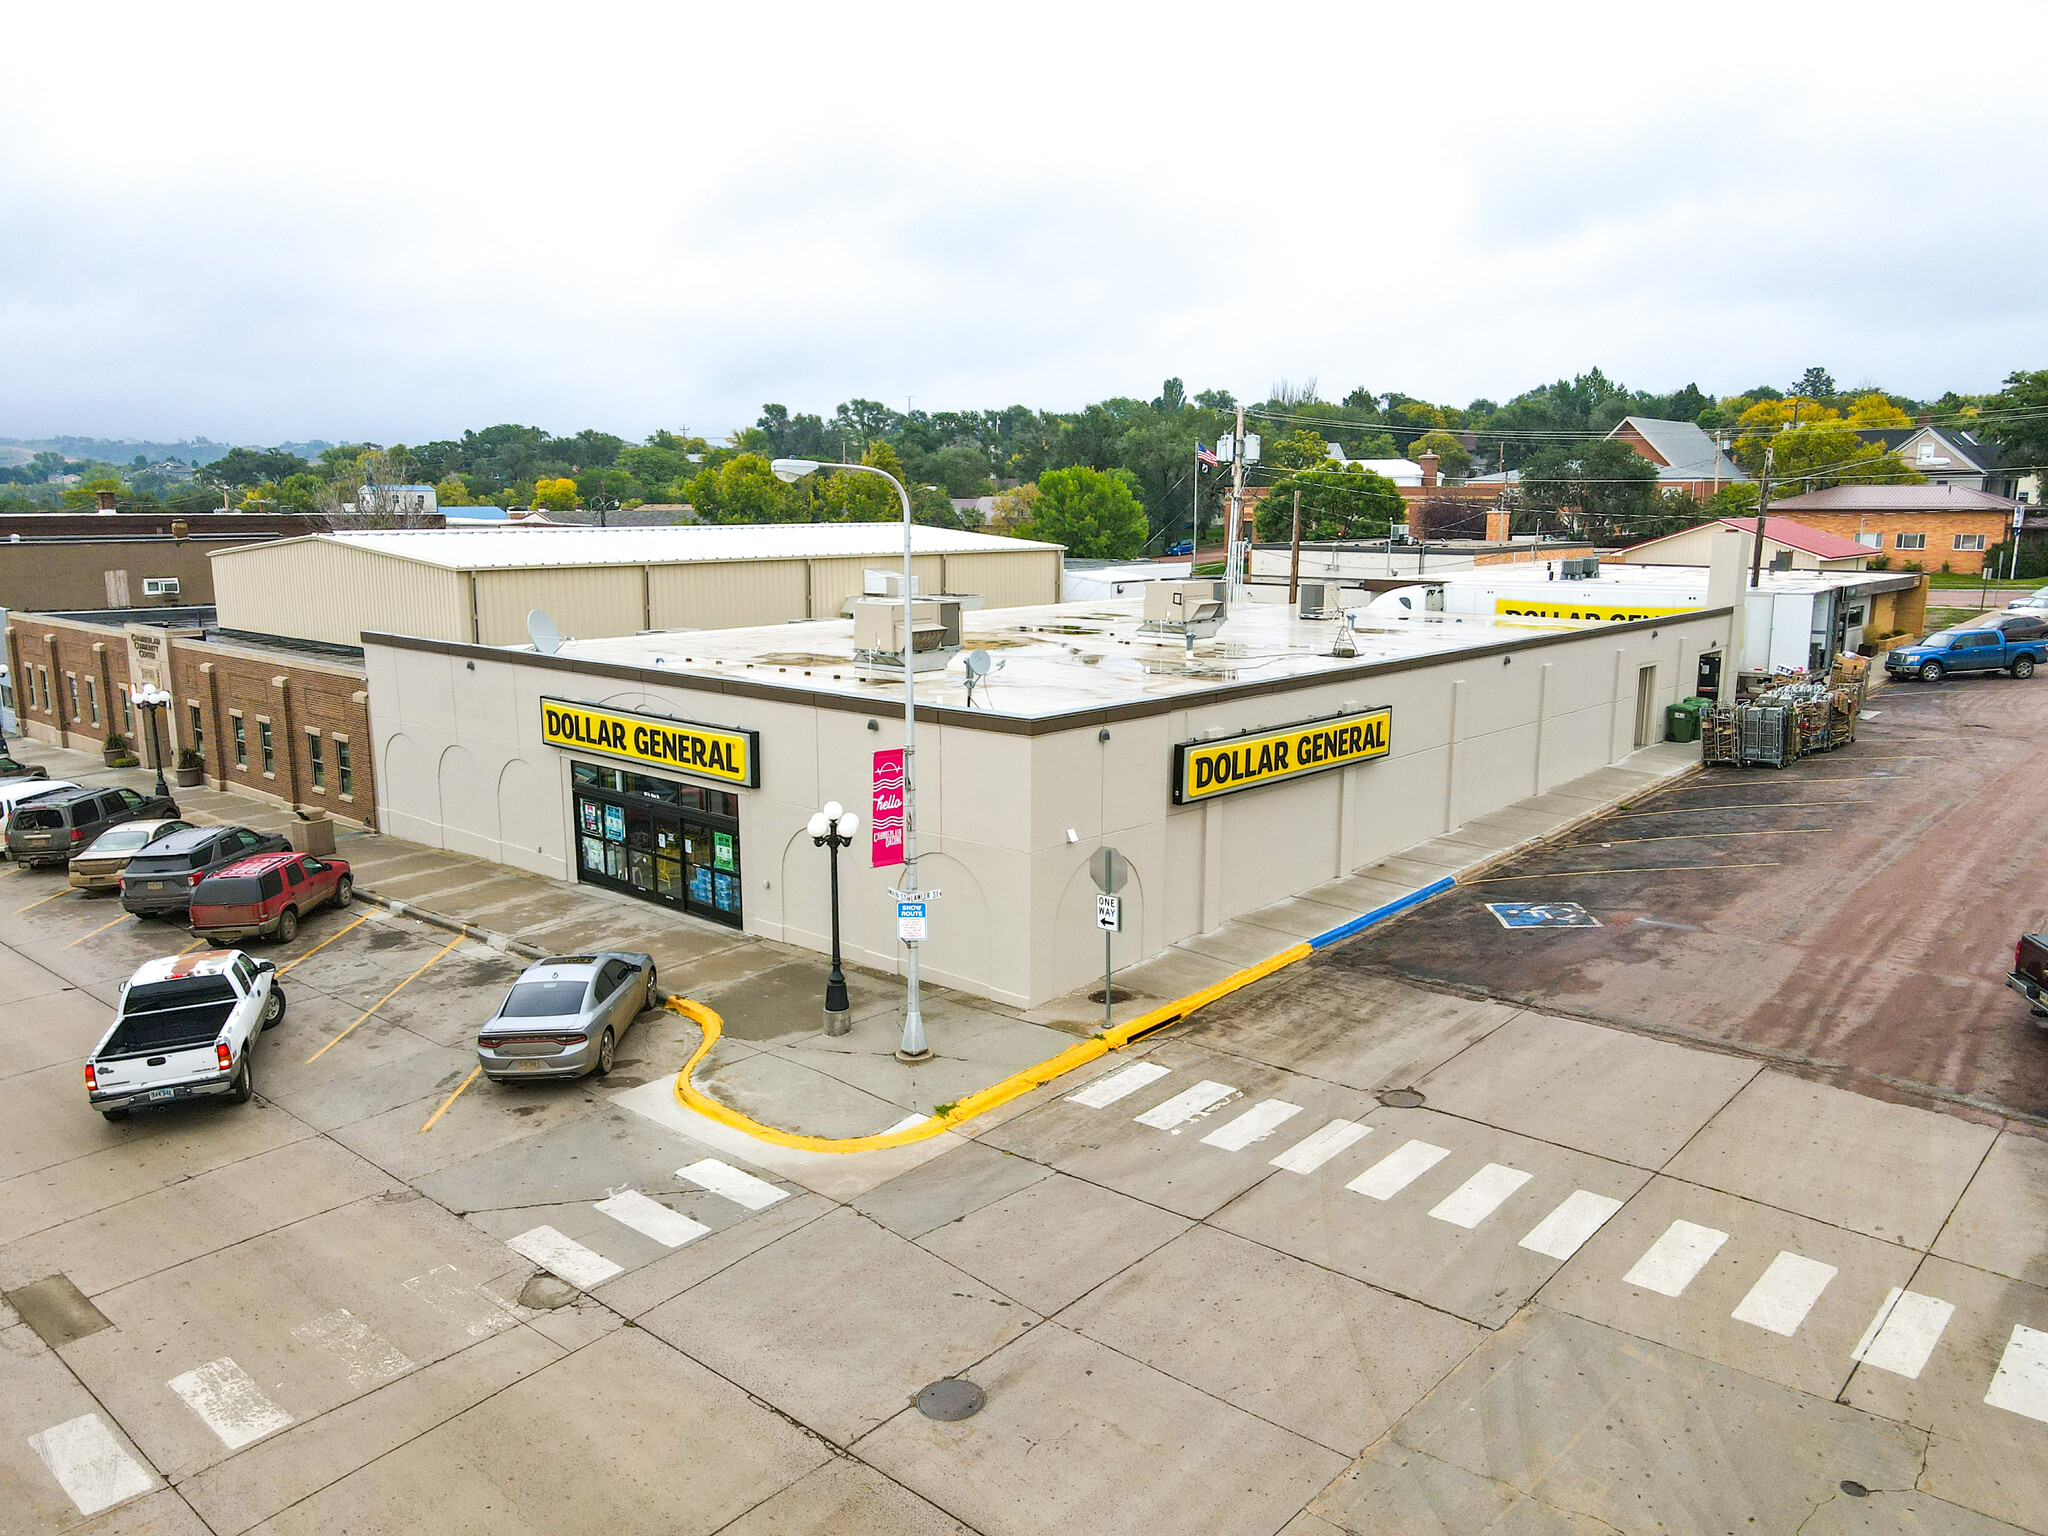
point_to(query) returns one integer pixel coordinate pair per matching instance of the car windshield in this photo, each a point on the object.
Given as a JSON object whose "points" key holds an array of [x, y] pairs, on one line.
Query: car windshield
{"points": [[121, 840], [543, 999], [1941, 641]]}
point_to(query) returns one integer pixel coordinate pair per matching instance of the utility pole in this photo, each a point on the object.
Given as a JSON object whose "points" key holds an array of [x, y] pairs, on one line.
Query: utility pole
{"points": [[1763, 500], [1236, 505], [1294, 566]]}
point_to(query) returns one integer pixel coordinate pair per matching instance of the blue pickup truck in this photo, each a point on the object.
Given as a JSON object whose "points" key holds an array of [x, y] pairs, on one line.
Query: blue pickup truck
{"points": [[1968, 648]]}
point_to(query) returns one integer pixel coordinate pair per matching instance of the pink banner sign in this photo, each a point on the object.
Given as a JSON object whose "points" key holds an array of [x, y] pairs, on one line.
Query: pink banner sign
{"points": [[886, 824]]}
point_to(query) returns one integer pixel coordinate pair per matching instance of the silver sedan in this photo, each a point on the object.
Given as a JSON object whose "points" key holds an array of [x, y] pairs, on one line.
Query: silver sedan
{"points": [[565, 1015]]}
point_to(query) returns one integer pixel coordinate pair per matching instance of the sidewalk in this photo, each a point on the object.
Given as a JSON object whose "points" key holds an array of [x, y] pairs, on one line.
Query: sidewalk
{"points": [[774, 1063]]}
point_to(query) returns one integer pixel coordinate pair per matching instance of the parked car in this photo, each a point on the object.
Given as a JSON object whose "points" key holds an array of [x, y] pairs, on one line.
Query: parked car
{"points": [[2029, 975], [16, 792], [2033, 603], [1967, 648], [1184, 547], [50, 828], [564, 1015], [183, 1029], [2018, 623], [266, 896], [99, 866], [159, 881], [10, 769]]}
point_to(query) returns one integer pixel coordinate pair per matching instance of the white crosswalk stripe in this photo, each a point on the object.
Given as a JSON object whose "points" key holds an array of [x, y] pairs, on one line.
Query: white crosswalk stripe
{"points": [[1903, 1334], [2021, 1383], [1311, 1152], [1187, 1105], [1480, 1196], [651, 1218], [1105, 1091], [1784, 1294], [1398, 1169], [367, 1356], [734, 1184], [1675, 1258], [1255, 1124], [563, 1256], [1564, 1231], [90, 1465], [229, 1403]]}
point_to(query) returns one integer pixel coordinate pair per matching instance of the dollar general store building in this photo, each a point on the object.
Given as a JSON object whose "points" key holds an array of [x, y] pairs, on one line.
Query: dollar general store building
{"points": [[682, 767]]}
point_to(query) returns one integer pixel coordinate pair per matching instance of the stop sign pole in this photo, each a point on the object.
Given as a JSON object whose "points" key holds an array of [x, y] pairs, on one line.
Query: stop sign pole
{"points": [[1109, 870]]}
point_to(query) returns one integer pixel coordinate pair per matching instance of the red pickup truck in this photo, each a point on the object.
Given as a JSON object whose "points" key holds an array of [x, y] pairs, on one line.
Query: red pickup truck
{"points": [[266, 894], [2029, 975]]}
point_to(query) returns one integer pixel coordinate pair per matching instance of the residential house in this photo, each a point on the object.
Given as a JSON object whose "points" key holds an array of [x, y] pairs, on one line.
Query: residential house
{"points": [[1687, 458], [1951, 456], [1937, 527], [1788, 546]]}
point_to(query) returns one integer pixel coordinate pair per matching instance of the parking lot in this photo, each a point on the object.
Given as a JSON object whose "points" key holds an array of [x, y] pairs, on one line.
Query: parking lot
{"points": [[1576, 1278], [1853, 913]]}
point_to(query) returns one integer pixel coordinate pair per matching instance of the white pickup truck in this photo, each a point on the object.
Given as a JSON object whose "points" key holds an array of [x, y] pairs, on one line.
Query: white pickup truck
{"points": [[186, 1028]]}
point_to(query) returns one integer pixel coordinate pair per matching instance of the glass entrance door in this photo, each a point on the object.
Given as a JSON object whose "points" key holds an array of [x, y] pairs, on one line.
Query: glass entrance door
{"points": [[659, 840]]}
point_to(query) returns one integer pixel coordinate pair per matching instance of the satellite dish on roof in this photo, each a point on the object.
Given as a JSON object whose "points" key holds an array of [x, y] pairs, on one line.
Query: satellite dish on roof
{"points": [[978, 668], [541, 630]]}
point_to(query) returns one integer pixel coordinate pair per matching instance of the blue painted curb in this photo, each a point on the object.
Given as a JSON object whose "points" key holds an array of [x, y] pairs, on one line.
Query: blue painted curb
{"points": [[1378, 914]]}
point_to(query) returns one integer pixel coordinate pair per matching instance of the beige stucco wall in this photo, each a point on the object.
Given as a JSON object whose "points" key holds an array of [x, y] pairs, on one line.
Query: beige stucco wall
{"points": [[459, 763]]}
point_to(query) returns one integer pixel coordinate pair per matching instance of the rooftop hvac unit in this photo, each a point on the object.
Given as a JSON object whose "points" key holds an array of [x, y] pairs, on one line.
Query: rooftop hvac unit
{"points": [[1184, 610], [1579, 568], [1315, 600], [878, 646]]}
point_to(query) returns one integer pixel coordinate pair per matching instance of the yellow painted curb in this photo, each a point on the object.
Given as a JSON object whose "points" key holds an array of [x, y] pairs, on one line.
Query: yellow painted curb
{"points": [[977, 1103]]}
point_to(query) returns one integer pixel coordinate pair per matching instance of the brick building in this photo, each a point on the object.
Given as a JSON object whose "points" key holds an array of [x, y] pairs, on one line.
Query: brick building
{"points": [[1936, 527], [268, 718], [61, 561]]}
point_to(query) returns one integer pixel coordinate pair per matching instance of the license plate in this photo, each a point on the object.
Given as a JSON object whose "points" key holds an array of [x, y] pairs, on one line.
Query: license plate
{"points": [[156, 885], [529, 1063], [161, 1093]]}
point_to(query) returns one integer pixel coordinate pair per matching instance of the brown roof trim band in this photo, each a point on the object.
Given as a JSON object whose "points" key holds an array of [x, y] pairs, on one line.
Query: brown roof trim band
{"points": [[977, 720]]}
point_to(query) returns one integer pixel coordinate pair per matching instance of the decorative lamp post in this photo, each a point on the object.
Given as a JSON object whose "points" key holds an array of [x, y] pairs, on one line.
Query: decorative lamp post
{"points": [[912, 1047], [152, 701], [833, 828]]}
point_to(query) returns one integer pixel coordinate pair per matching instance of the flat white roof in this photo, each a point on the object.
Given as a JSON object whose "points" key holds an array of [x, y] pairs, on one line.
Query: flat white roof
{"points": [[1062, 657], [518, 548]]}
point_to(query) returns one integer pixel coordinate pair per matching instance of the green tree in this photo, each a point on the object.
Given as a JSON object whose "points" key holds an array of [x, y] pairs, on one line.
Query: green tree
{"points": [[555, 495], [2016, 418], [743, 489], [1338, 501], [1454, 460], [1095, 514], [1600, 489]]}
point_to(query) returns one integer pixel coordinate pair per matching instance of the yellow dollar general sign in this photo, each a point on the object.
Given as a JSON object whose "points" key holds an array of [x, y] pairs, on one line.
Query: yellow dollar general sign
{"points": [[1205, 769], [1607, 613], [731, 757]]}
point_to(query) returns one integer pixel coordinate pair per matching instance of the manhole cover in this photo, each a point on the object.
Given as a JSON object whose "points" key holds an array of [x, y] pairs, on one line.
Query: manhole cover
{"points": [[950, 1398], [1855, 1490], [1402, 1098], [1116, 995]]}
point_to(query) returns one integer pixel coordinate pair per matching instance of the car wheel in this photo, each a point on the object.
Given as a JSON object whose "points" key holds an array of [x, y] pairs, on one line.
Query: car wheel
{"points": [[244, 1085], [653, 989], [287, 925], [115, 1115], [344, 891], [604, 1055], [1932, 671], [2023, 667], [273, 1010]]}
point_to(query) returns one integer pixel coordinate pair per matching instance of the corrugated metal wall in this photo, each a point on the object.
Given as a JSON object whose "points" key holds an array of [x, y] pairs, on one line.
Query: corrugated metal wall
{"points": [[1007, 581], [315, 590], [586, 601], [728, 593], [834, 581]]}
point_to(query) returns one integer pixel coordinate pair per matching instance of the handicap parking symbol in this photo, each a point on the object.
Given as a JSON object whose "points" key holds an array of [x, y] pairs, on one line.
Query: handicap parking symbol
{"points": [[1542, 914]]}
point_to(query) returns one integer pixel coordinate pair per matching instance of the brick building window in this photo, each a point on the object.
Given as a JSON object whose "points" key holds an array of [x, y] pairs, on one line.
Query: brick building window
{"points": [[46, 691], [344, 770], [241, 740], [1970, 541], [198, 729], [269, 748], [316, 762], [1910, 541], [92, 699], [1870, 540], [71, 684], [127, 710]]}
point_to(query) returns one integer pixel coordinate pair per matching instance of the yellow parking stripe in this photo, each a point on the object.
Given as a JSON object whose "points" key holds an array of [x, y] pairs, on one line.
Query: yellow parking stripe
{"points": [[474, 1072], [309, 954], [1633, 869], [103, 927], [415, 976], [67, 891]]}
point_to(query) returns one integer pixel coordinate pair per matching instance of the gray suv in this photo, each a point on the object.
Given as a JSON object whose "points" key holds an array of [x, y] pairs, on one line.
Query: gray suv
{"points": [[50, 828], [565, 1014], [158, 881]]}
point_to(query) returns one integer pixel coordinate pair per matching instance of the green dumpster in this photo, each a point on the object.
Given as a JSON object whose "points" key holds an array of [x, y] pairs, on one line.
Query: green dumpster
{"points": [[1681, 723]]}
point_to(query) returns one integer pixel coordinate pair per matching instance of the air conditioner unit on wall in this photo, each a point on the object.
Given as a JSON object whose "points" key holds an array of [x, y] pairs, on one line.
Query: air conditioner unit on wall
{"points": [[159, 586]]}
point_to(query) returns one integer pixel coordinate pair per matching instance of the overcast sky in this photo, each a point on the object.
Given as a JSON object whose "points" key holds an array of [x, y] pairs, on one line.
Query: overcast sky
{"points": [[391, 223]]}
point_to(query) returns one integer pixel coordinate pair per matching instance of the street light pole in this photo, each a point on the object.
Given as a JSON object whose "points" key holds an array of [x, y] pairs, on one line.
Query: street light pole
{"points": [[912, 1047], [151, 699], [833, 828]]}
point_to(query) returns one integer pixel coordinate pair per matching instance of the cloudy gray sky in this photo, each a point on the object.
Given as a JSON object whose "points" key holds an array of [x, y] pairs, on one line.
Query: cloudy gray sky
{"points": [[393, 222]]}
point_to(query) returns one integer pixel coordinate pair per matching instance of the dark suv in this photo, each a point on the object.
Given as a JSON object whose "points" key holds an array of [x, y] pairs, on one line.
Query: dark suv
{"points": [[50, 828], [158, 881]]}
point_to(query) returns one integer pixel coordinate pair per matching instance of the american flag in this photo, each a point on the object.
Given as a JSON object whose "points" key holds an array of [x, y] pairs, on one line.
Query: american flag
{"points": [[1205, 455]]}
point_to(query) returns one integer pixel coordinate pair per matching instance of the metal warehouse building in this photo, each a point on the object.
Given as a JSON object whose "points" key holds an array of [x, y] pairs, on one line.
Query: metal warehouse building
{"points": [[478, 585]]}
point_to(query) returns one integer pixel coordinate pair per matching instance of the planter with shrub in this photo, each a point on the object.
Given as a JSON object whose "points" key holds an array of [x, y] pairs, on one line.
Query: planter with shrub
{"points": [[117, 753], [191, 769]]}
